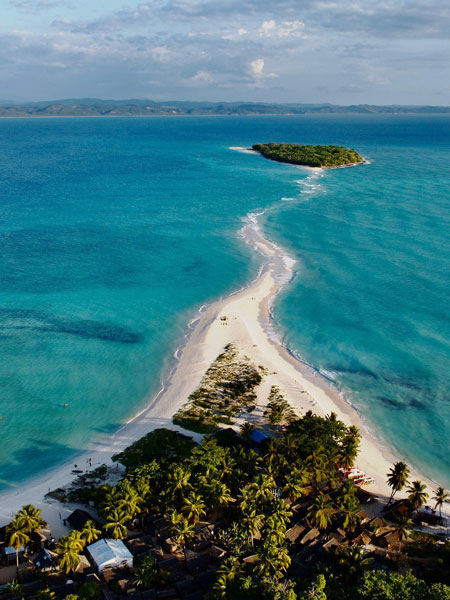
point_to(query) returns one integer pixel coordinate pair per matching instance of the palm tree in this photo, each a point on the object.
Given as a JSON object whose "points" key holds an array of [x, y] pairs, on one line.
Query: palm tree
{"points": [[46, 594], [17, 538], [130, 503], [146, 575], [353, 433], [349, 508], [348, 452], [194, 507], [274, 530], [352, 563], [441, 496], [274, 453], [397, 478], [290, 446], [317, 465], [178, 482], [222, 496], [417, 494], [110, 501], [67, 551], [77, 539], [227, 573], [29, 518], [246, 430], [181, 529], [402, 528], [321, 511], [280, 511], [294, 486], [15, 589], [116, 522], [90, 533], [273, 562], [262, 488], [252, 522]]}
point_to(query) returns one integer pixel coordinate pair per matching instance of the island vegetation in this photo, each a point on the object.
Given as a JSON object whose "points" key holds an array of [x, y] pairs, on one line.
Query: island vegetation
{"points": [[226, 389], [310, 156], [269, 511]]}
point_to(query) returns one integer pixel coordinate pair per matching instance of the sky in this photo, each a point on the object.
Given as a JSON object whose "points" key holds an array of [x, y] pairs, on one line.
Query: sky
{"points": [[306, 51]]}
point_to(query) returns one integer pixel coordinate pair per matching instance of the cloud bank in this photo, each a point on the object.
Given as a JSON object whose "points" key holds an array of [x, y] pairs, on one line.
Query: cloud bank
{"points": [[287, 50]]}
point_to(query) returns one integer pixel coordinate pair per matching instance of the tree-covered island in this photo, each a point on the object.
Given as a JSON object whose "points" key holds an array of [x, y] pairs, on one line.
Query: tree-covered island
{"points": [[328, 157]]}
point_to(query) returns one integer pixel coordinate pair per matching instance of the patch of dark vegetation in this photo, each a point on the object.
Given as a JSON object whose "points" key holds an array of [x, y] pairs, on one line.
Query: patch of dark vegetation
{"points": [[311, 156], [227, 389]]}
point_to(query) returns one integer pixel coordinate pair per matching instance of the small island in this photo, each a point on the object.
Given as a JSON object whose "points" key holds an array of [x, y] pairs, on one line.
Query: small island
{"points": [[328, 157]]}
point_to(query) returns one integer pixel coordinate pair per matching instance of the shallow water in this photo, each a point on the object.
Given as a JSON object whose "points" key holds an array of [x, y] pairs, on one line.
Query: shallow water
{"points": [[114, 231]]}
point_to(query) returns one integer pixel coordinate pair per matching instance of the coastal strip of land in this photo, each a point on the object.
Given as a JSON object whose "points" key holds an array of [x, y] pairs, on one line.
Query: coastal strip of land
{"points": [[244, 320]]}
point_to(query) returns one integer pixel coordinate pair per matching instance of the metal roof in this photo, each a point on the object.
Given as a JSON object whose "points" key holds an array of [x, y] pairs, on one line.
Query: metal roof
{"points": [[109, 553]]}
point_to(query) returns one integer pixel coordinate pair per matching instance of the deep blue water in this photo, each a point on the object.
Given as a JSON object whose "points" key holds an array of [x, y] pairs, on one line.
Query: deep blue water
{"points": [[114, 231]]}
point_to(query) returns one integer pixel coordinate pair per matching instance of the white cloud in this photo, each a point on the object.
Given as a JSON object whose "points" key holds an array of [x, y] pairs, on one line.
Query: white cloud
{"points": [[285, 29], [256, 68], [203, 77], [236, 35]]}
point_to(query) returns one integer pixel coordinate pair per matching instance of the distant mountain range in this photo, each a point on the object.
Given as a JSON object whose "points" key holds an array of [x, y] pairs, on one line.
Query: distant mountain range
{"points": [[94, 107]]}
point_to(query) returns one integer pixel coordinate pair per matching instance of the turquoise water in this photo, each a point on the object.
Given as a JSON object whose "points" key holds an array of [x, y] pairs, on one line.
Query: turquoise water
{"points": [[115, 231]]}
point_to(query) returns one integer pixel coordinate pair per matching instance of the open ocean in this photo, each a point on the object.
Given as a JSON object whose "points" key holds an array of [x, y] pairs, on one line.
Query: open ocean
{"points": [[114, 232]]}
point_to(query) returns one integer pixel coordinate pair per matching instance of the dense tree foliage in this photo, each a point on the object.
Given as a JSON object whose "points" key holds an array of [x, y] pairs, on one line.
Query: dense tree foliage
{"points": [[308, 155]]}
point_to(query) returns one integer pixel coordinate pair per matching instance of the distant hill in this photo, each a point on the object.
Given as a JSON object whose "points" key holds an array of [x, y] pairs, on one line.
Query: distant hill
{"points": [[94, 107]]}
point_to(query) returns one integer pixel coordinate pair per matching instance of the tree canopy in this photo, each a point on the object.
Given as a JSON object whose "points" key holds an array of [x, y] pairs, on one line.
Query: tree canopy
{"points": [[309, 155]]}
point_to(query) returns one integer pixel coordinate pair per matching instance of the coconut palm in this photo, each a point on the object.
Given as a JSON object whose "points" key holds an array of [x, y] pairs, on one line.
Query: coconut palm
{"points": [[46, 594], [17, 537], [110, 501], [130, 502], [290, 446], [30, 518], [280, 511], [116, 524], [222, 496], [274, 530], [417, 494], [441, 496], [321, 511], [228, 571], [146, 575], [317, 465], [402, 528], [273, 562], [178, 483], [252, 522], [353, 432], [397, 478], [348, 452], [352, 563], [67, 551], [15, 589], [77, 539], [90, 533], [274, 453], [194, 507], [295, 484], [246, 430], [142, 488], [349, 508], [182, 530], [262, 488]]}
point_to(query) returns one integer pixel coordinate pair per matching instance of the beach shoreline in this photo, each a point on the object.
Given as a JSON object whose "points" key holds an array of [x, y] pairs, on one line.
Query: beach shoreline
{"points": [[249, 325]]}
